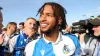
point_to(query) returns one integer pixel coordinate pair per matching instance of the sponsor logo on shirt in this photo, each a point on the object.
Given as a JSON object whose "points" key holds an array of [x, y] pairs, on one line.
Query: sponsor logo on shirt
{"points": [[42, 52]]}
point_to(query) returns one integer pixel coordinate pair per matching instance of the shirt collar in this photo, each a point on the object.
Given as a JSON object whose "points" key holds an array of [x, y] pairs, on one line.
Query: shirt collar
{"points": [[57, 41]]}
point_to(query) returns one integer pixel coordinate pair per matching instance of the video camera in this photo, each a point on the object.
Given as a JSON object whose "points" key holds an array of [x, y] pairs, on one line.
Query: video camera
{"points": [[83, 26]]}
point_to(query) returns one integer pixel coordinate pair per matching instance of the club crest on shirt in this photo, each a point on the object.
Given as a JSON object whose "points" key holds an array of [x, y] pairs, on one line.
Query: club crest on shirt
{"points": [[66, 49], [21, 42]]}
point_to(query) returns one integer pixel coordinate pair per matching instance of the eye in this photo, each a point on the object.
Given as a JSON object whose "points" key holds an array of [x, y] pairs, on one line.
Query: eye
{"points": [[49, 15], [30, 23], [34, 25], [41, 14]]}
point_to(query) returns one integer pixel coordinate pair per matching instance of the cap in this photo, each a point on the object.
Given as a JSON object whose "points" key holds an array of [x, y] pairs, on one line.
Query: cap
{"points": [[1, 8], [95, 21]]}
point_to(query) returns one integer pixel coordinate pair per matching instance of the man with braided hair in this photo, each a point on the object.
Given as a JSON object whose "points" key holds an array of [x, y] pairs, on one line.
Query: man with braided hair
{"points": [[52, 42]]}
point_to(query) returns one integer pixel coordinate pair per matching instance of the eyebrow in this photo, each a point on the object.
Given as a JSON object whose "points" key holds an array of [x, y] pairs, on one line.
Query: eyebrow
{"points": [[47, 13]]}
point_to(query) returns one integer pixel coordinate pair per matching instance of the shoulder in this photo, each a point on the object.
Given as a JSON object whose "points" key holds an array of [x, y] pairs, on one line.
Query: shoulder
{"points": [[71, 36], [12, 43], [14, 37], [30, 47], [13, 40], [68, 44], [32, 42], [74, 38], [67, 39]]}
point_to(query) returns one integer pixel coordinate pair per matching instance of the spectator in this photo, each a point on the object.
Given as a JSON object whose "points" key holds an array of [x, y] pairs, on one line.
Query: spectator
{"points": [[92, 47], [21, 26], [52, 42], [67, 29], [18, 43], [11, 30], [1, 35], [1, 20]]}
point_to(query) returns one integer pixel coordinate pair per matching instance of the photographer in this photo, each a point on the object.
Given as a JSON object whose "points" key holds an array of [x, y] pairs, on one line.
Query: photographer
{"points": [[92, 47]]}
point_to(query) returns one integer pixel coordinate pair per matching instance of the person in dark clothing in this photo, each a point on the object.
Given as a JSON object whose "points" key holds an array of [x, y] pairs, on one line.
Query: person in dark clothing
{"points": [[1, 35]]}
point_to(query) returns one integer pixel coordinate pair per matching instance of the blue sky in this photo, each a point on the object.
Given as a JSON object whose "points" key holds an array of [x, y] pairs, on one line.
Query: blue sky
{"points": [[18, 10]]}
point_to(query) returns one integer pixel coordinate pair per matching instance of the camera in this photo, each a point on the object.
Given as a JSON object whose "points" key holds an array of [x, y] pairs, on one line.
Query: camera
{"points": [[83, 26]]}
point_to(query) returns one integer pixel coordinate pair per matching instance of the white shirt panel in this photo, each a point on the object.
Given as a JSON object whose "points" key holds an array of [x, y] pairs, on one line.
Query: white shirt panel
{"points": [[30, 48], [58, 48], [6, 38], [12, 43]]}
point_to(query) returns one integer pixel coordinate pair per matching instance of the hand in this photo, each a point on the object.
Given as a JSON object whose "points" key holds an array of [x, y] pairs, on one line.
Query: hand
{"points": [[68, 28], [1, 38], [81, 38], [82, 35], [31, 33]]}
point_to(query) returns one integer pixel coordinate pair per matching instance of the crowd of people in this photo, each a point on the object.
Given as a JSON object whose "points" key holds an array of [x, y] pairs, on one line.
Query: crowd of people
{"points": [[51, 37]]}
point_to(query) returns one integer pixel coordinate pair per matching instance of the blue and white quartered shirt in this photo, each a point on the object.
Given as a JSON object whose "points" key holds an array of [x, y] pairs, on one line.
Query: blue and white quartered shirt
{"points": [[64, 46], [18, 43]]}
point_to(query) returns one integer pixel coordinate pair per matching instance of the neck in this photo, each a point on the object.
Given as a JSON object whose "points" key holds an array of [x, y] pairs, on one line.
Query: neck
{"points": [[8, 33], [28, 34], [52, 36]]}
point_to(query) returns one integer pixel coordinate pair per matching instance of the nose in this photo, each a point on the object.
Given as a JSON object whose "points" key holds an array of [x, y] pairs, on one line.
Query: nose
{"points": [[43, 18], [94, 27]]}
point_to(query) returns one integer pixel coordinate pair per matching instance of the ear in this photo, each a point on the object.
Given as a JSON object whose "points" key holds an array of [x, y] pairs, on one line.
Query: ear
{"points": [[9, 27], [25, 24], [59, 20]]}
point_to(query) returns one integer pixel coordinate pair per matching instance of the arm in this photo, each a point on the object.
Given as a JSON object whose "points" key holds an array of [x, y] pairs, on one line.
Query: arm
{"points": [[84, 46], [81, 39], [1, 39]]}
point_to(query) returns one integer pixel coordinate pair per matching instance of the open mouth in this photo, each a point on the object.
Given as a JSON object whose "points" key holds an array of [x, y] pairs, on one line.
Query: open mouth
{"points": [[44, 25]]}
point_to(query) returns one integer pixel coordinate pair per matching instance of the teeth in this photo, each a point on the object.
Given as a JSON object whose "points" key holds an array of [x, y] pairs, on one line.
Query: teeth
{"points": [[43, 24]]}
